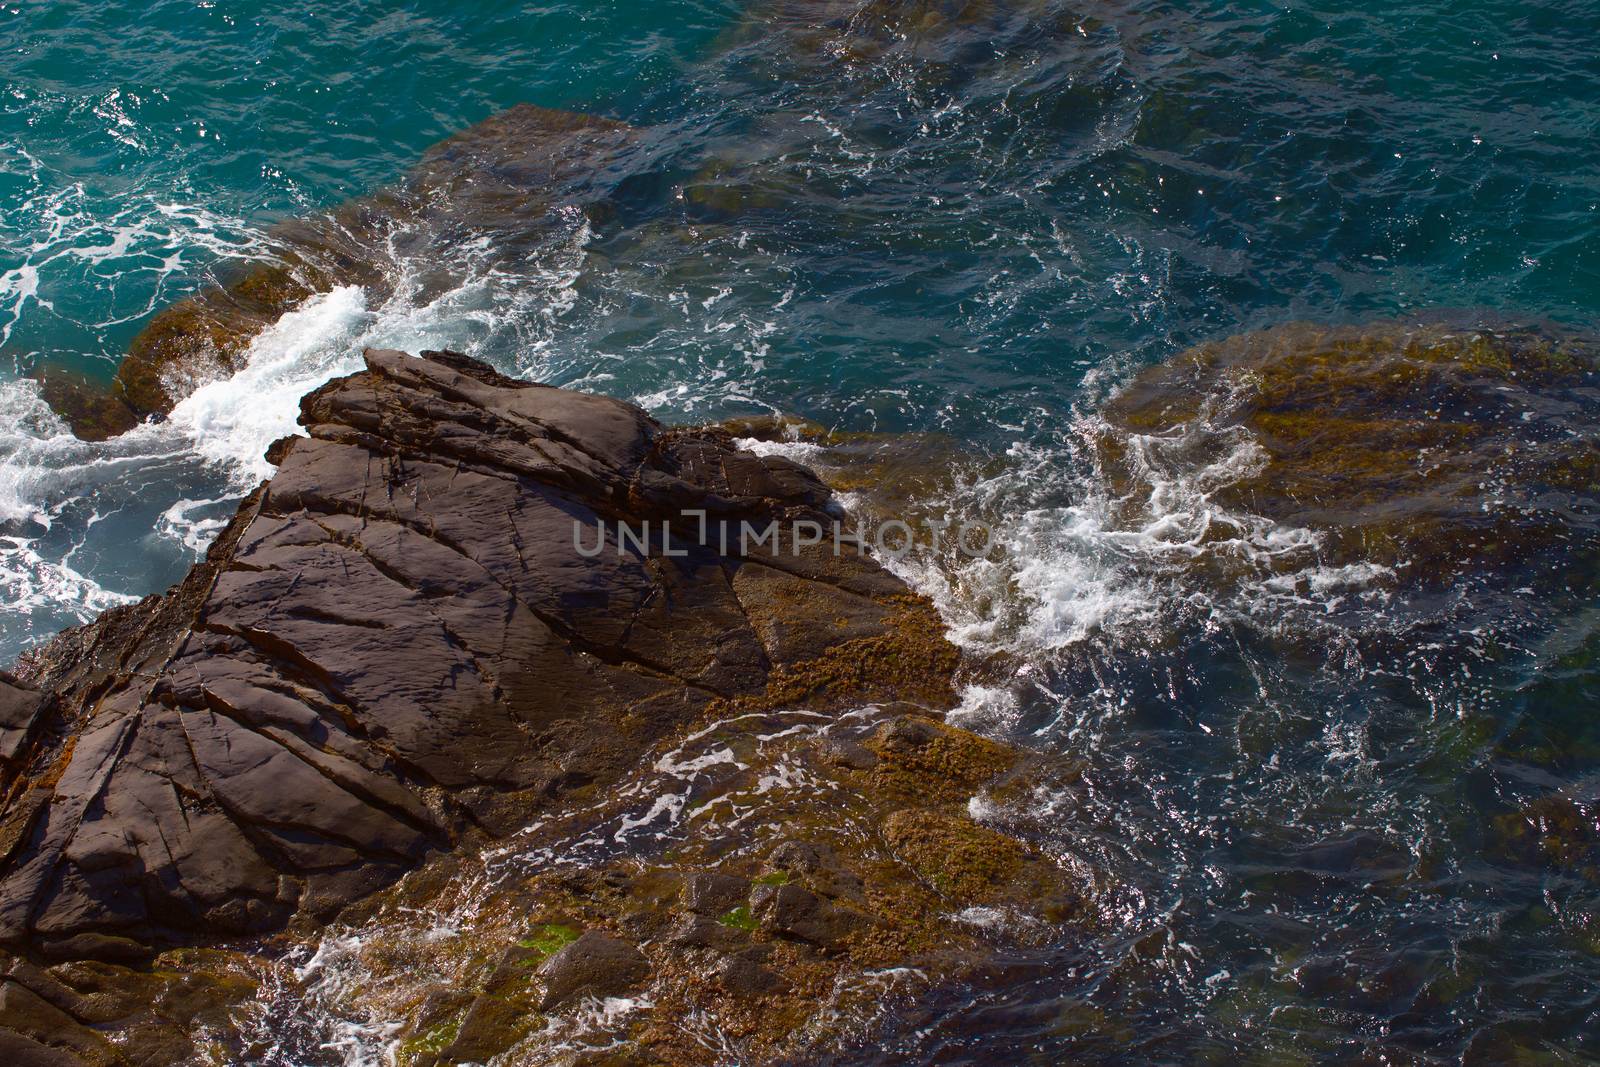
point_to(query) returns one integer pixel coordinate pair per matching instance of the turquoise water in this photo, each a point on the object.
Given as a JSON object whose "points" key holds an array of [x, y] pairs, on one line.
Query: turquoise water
{"points": [[981, 235]]}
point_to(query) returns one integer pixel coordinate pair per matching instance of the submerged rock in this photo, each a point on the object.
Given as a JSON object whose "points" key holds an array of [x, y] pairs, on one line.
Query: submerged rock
{"points": [[944, 38], [596, 964], [510, 178], [1429, 448]]}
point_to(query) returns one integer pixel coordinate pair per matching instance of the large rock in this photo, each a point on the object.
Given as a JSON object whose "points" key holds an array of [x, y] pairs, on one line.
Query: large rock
{"points": [[396, 644], [507, 183]]}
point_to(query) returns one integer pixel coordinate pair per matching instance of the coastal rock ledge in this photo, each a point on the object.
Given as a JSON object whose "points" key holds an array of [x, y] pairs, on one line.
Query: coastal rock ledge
{"points": [[395, 647]]}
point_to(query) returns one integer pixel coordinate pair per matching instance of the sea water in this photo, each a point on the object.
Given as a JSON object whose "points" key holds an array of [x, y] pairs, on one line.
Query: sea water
{"points": [[1293, 785]]}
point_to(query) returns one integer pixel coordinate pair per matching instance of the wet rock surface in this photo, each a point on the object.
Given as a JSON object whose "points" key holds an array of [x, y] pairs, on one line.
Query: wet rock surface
{"points": [[788, 898], [1430, 447]]}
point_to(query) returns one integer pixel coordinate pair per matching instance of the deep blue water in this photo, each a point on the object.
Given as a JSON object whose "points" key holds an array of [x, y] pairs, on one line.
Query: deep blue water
{"points": [[981, 235]]}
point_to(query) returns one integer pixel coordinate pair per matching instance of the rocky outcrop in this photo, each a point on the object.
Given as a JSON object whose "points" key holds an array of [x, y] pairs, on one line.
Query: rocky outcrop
{"points": [[397, 646], [1428, 447], [609, 801], [507, 183]]}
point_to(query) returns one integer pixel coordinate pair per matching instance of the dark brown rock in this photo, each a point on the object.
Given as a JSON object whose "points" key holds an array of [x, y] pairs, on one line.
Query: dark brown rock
{"points": [[698, 931], [840, 752], [20, 1051], [20, 712], [24, 1012], [790, 911], [745, 977], [710, 893], [395, 644], [596, 964]]}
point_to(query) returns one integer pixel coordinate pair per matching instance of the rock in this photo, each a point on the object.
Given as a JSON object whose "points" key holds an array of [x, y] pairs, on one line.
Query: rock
{"points": [[840, 752], [505, 179], [596, 964], [940, 40], [817, 865], [744, 977], [790, 911], [20, 712], [396, 643], [778, 605], [490, 1025], [24, 1012], [1427, 447], [959, 858], [922, 761], [769, 947], [710, 893], [22, 1051], [907, 733], [696, 931], [1560, 830]]}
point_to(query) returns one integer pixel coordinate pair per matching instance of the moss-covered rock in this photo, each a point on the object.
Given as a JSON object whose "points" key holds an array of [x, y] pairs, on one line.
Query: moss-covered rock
{"points": [[1559, 831], [1428, 447], [956, 856]]}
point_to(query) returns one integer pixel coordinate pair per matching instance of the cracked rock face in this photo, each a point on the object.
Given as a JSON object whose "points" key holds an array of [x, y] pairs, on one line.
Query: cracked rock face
{"points": [[394, 646]]}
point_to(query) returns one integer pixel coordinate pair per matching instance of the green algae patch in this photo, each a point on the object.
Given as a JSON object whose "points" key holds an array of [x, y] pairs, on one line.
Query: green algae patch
{"points": [[549, 939], [740, 918], [773, 878], [426, 1047]]}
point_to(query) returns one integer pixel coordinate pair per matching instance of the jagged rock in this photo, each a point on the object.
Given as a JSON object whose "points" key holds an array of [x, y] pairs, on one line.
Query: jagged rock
{"points": [[745, 977], [596, 964], [396, 643], [20, 711], [25, 1052], [507, 178]]}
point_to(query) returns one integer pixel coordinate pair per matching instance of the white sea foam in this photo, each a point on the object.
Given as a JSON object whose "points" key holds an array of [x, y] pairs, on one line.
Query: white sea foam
{"points": [[231, 421], [32, 441], [1076, 563], [31, 583]]}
